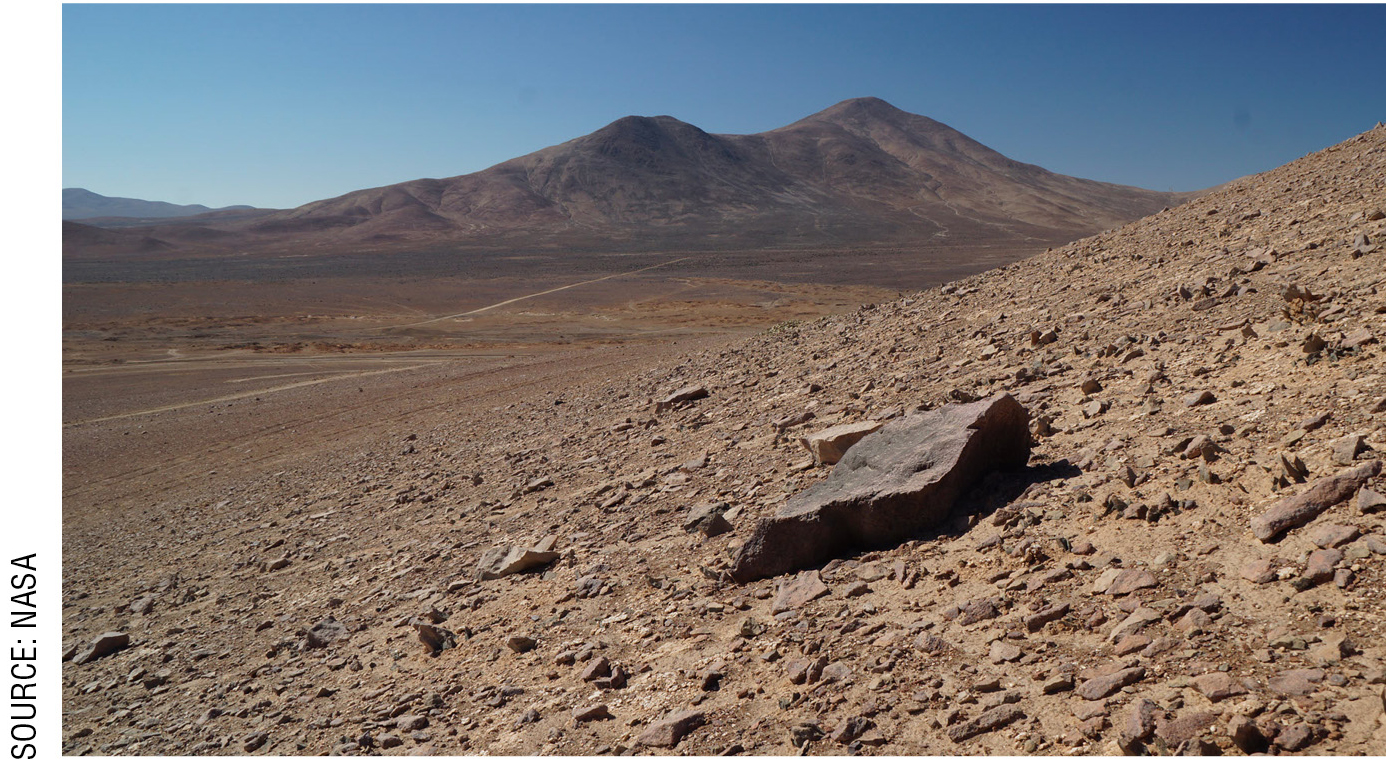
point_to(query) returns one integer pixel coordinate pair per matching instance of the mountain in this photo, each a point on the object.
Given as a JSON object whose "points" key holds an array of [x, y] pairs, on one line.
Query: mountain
{"points": [[80, 203], [861, 172]]}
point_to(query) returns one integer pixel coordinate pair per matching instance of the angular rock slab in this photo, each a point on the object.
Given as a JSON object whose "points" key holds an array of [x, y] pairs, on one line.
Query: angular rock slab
{"points": [[667, 732], [894, 483], [499, 562], [1295, 511], [830, 444]]}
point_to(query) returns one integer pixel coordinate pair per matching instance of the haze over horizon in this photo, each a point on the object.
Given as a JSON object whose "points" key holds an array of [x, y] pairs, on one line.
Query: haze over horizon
{"points": [[277, 106]]}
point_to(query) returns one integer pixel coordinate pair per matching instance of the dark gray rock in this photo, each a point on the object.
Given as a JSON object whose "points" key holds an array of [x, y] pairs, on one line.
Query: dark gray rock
{"points": [[324, 633], [1295, 511], [900, 480], [102, 646], [707, 520]]}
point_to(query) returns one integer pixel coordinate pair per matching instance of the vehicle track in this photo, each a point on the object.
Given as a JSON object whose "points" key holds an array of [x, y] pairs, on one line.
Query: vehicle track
{"points": [[117, 486]]}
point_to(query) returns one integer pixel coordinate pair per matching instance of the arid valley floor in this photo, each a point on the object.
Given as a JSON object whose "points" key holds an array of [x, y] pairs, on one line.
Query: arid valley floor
{"points": [[280, 476]]}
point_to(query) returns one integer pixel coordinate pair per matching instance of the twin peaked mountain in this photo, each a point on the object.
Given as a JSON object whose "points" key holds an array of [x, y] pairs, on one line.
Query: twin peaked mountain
{"points": [[860, 172]]}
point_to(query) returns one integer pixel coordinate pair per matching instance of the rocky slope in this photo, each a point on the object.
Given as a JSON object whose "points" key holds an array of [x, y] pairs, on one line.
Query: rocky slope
{"points": [[859, 173], [1183, 374]]}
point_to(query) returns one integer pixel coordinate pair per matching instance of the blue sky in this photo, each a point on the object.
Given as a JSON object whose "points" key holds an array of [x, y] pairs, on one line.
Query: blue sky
{"points": [[279, 105]]}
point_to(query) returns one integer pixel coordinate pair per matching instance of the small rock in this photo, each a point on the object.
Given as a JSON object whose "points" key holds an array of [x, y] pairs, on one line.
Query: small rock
{"points": [[596, 712], [254, 741], [667, 732], [1218, 686], [1199, 398], [324, 633], [103, 645], [1297, 682], [1102, 686], [799, 591], [988, 721], [519, 643]]}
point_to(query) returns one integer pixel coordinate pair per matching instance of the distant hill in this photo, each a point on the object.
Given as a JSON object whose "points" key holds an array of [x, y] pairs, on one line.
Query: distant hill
{"points": [[80, 203], [859, 173]]}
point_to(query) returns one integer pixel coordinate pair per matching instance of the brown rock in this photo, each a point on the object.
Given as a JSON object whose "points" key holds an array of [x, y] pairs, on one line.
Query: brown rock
{"points": [[599, 668], [499, 562], [1297, 682], [1369, 501], [1259, 571], [1139, 726], [1329, 535], [829, 445], [435, 638], [1036, 621], [898, 481], [1320, 567], [799, 591], [989, 721], [1199, 398], [1131, 643], [1102, 686], [685, 394], [1176, 732], [1346, 448], [596, 712], [325, 632], [1295, 511], [667, 732], [519, 643], [1218, 686], [1130, 580]]}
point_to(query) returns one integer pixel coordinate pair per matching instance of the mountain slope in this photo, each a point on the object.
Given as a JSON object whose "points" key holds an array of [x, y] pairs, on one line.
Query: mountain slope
{"points": [[1183, 374], [861, 172], [80, 203]]}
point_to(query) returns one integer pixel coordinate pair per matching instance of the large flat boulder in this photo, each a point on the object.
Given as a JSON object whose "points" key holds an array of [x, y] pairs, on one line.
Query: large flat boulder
{"points": [[892, 484]]}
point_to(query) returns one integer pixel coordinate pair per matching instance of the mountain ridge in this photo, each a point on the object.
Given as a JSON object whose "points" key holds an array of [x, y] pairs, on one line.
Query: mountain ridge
{"points": [[860, 172]]}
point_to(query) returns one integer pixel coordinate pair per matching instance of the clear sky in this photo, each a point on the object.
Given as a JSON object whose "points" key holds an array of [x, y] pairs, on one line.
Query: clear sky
{"points": [[279, 105]]}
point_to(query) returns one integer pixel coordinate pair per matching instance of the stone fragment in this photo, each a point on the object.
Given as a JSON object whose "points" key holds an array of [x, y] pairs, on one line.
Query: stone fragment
{"points": [[972, 611], [1218, 686], [685, 394], [434, 638], [990, 720], [900, 480], [1131, 643], [1037, 620], [1297, 682], [668, 731], [1258, 571], [143, 605], [519, 643], [1139, 726], [1346, 448], [1314, 422], [1369, 501], [1295, 737], [829, 445], [596, 712], [389, 740], [1004, 652], [102, 646], [1246, 735], [1319, 568], [707, 520], [1199, 398], [1129, 581], [1102, 686], [1292, 512], [1133, 623], [850, 729], [1056, 684], [799, 591], [324, 633], [499, 562], [254, 741], [1173, 733], [1330, 535], [599, 668]]}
